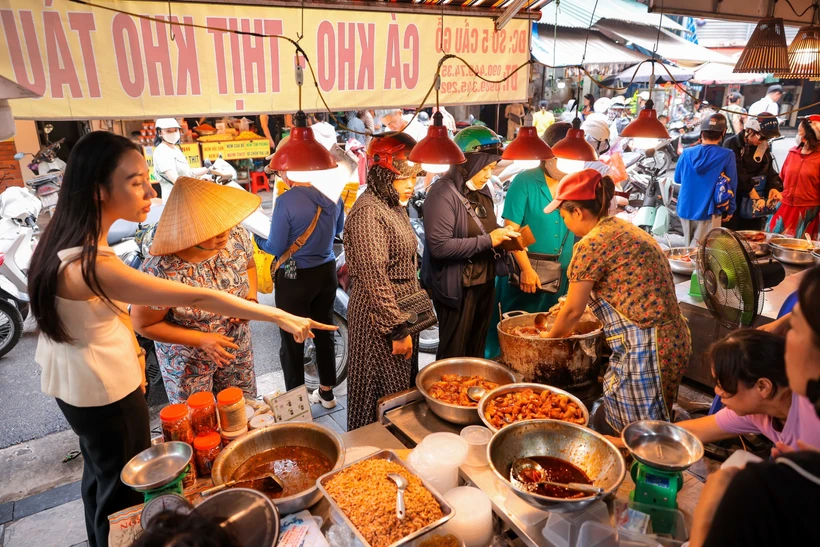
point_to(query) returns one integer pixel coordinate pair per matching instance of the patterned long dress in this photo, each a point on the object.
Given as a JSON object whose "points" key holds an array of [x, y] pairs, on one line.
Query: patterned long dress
{"points": [[380, 247], [185, 369]]}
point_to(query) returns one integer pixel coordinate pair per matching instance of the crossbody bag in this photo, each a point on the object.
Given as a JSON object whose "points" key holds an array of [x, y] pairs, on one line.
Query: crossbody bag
{"points": [[500, 264], [547, 266], [290, 266]]}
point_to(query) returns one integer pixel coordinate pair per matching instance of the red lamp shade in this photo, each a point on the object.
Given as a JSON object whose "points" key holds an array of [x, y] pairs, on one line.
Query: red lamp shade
{"points": [[436, 152], [574, 147], [527, 146], [646, 126], [302, 153]]}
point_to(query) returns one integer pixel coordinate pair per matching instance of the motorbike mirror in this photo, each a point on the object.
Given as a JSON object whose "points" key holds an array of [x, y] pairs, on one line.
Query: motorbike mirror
{"points": [[19, 155]]}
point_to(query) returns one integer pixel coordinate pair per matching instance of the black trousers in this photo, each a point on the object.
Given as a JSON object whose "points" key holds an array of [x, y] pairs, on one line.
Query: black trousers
{"points": [[463, 331], [110, 436], [311, 294]]}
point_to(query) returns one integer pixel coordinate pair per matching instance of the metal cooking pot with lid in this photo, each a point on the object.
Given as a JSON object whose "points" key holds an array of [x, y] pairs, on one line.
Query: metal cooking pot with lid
{"points": [[566, 363]]}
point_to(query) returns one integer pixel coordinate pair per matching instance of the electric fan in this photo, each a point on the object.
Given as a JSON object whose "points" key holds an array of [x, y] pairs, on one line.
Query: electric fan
{"points": [[731, 282]]}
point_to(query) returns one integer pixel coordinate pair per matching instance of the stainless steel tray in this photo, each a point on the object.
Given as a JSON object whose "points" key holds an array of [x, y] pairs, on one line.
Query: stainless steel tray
{"points": [[390, 456]]}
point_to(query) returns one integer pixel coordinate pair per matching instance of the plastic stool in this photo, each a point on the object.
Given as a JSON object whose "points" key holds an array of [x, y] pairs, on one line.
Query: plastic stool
{"points": [[259, 182]]}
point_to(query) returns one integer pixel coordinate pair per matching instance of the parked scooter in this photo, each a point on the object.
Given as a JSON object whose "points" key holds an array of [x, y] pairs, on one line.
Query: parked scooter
{"points": [[18, 236], [49, 170]]}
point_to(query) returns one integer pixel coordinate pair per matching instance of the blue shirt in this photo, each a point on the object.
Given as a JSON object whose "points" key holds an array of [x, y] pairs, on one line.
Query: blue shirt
{"points": [[292, 215], [697, 172]]}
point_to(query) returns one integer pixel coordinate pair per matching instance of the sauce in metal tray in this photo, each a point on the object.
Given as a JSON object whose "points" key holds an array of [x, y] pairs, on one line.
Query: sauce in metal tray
{"points": [[297, 467], [557, 470]]}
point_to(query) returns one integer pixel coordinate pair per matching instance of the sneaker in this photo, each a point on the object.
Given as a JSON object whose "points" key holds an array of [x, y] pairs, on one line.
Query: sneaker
{"points": [[319, 396]]}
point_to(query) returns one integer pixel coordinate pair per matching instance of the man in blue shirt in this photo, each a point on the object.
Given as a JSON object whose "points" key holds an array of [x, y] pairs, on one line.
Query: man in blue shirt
{"points": [[698, 171]]}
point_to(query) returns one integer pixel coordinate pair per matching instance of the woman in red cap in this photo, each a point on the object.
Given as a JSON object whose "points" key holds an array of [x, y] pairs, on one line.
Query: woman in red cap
{"points": [[798, 213], [622, 273]]}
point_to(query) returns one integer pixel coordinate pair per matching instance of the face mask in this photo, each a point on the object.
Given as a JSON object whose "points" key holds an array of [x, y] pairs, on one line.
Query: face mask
{"points": [[473, 187], [173, 138], [798, 140], [760, 151]]}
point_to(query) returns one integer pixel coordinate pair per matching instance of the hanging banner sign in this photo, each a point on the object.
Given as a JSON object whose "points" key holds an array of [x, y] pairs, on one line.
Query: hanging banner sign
{"points": [[190, 149], [91, 63], [236, 150]]}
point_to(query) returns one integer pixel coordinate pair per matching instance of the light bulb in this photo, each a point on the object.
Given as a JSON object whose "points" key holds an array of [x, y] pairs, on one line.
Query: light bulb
{"points": [[435, 167], [569, 166], [645, 143], [527, 164]]}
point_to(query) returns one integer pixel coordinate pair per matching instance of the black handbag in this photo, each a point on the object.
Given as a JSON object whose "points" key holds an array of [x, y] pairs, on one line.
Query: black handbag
{"points": [[422, 316], [547, 266]]}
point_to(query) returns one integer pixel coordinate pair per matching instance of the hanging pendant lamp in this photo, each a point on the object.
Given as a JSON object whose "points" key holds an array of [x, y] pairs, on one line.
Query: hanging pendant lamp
{"points": [[766, 50], [437, 151], [573, 150], [527, 150], [302, 157], [804, 53], [646, 130]]}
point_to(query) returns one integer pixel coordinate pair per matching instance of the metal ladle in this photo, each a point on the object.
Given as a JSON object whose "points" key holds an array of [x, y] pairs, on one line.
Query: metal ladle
{"points": [[268, 481], [402, 484], [522, 465], [475, 393], [540, 321]]}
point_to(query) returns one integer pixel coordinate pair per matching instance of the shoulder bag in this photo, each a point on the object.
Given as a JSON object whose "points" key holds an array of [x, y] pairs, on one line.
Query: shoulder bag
{"points": [[298, 244], [547, 266], [500, 262]]}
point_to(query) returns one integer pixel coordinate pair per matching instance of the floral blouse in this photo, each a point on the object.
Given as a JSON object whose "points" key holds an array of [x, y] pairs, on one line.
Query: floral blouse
{"points": [[630, 272]]}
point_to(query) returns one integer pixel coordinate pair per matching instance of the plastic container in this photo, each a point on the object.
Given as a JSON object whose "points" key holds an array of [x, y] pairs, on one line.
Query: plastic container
{"points": [[563, 529], [176, 424], [206, 448], [666, 523], [438, 458], [203, 413], [473, 521], [229, 436], [595, 534], [263, 420], [477, 438], [523, 511], [230, 403]]}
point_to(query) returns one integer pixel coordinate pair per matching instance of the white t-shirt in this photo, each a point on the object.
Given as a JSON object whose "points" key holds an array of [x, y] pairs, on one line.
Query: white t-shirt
{"points": [[764, 105], [170, 158]]}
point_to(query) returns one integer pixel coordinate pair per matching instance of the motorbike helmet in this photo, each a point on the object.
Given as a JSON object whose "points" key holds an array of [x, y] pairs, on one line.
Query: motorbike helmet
{"points": [[602, 105], [765, 124], [596, 129], [479, 139], [423, 117], [392, 152], [714, 122]]}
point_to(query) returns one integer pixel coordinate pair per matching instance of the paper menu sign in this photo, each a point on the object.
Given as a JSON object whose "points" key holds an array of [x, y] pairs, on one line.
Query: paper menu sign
{"points": [[292, 406], [301, 530]]}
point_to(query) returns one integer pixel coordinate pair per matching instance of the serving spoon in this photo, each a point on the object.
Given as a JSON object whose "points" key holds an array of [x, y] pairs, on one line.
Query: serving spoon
{"points": [[521, 466], [268, 481], [475, 393], [402, 484]]}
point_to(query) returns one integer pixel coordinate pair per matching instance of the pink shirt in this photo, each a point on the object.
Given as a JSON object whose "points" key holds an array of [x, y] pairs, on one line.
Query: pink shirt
{"points": [[802, 423]]}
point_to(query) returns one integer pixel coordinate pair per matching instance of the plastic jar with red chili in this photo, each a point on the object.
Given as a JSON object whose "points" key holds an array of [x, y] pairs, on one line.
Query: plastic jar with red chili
{"points": [[203, 412], [176, 424], [207, 447]]}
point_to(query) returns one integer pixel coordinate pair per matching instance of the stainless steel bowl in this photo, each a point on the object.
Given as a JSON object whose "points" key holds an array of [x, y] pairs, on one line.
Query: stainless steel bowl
{"points": [[681, 266], [662, 445], [157, 466], [582, 447], [248, 515], [789, 255], [760, 248], [465, 366], [537, 388], [309, 435]]}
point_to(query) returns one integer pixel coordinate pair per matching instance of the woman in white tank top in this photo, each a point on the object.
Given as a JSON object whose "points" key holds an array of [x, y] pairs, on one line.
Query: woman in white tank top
{"points": [[79, 294]]}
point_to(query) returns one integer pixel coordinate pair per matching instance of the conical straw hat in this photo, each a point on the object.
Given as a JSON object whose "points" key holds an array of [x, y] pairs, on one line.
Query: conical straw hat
{"points": [[198, 210]]}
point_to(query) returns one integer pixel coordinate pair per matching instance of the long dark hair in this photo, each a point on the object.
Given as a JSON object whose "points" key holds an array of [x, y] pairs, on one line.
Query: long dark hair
{"points": [[604, 193], [77, 222], [745, 356], [809, 136], [808, 297]]}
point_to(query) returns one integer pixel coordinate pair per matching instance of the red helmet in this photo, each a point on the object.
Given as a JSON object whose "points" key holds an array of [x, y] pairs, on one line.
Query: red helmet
{"points": [[384, 150]]}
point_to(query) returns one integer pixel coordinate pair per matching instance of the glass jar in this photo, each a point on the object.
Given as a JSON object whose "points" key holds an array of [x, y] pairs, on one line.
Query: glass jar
{"points": [[176, 424], [203, 413], [207, 447], [231, 406]]}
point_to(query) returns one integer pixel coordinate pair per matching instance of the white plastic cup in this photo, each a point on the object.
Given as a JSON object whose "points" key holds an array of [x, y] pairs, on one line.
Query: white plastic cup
{"points": [[438, 458], [477, 438], [473, 521]]}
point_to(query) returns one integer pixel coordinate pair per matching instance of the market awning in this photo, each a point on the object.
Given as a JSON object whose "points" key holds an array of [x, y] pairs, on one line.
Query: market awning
{"points": [[669, 46], [569, 48], [578, 13], [642, 73], [721, 73]]}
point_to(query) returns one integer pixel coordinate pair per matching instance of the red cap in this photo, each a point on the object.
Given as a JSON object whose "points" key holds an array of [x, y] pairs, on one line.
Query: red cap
{"points": [[173, 413], [207, 441], [201, 399], [229, 396], [578, 186]]}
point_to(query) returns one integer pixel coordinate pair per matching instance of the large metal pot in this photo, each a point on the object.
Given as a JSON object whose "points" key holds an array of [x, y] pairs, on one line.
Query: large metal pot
{"points": [[309, 435], [464, 366], [567, 363], [792, 251], [584, 448]]}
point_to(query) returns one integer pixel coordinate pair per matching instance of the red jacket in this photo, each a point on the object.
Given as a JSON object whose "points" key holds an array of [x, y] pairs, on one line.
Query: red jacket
{"points": [[801, 178]]}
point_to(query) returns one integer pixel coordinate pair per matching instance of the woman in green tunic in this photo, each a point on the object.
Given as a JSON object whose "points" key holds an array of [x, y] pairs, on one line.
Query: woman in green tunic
{"points": [[530, 192]]}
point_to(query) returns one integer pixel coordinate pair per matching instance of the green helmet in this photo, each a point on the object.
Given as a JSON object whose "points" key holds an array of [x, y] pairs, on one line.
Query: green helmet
{"points": [[479, 139]]}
